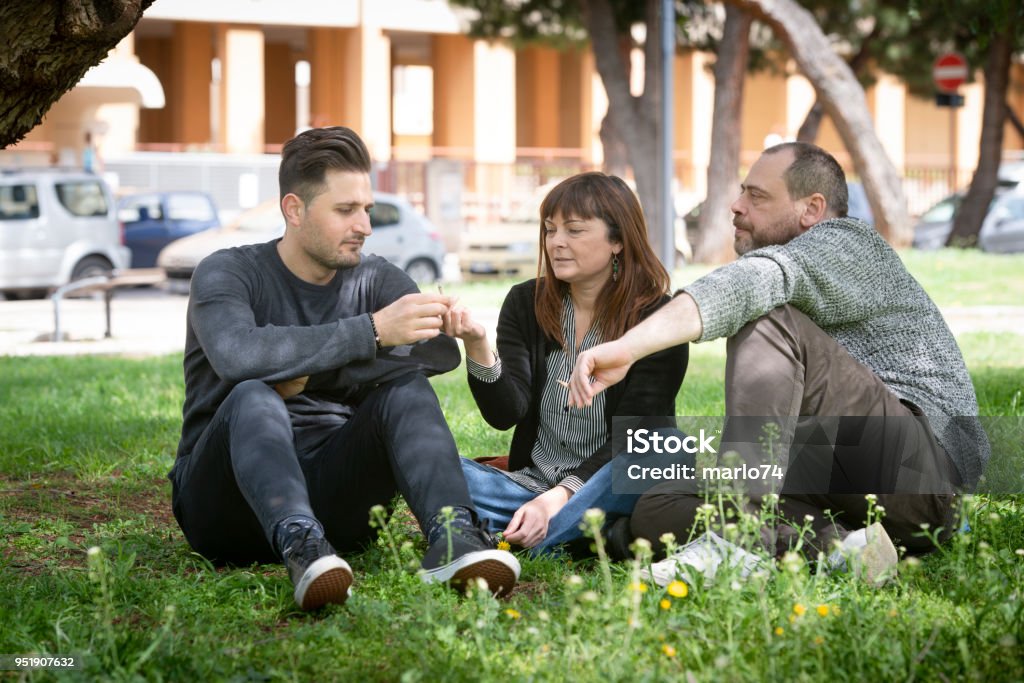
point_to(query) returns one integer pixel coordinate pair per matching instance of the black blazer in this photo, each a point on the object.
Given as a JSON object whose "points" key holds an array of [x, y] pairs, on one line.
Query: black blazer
{"points": [[649, 389]]}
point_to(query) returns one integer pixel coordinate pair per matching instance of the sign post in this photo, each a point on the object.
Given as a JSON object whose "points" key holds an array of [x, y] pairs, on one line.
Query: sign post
{"points": [[949, 72]]}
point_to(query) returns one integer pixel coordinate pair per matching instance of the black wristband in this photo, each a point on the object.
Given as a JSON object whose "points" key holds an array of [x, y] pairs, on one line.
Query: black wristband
{"points": [[376, 334]]}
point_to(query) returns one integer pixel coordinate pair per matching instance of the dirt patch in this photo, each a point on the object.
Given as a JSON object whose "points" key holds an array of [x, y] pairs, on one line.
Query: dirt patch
{"points": [[79, 506]]}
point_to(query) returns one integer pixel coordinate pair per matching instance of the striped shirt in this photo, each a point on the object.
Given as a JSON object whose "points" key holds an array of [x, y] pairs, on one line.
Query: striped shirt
{"points": [[565, 438]]}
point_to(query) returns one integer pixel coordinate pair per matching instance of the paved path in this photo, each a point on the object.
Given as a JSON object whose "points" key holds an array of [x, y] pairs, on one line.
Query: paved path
{"points": [[151, 322]]}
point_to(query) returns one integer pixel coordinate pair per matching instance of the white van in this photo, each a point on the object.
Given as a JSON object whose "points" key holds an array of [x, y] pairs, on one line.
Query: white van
{"points": [[55, 226]]}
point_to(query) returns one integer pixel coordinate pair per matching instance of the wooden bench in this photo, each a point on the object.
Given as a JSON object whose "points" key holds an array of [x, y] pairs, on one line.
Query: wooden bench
{"points": [[107, 284]]}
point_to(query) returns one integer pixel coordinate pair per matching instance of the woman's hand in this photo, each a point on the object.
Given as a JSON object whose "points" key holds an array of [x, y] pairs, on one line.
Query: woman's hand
{"points": [[529, 525], [459, 322]]}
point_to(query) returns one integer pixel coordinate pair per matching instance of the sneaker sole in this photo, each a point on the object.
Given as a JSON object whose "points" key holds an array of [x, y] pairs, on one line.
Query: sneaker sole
{"points": [[500, 569], [326, 581]]}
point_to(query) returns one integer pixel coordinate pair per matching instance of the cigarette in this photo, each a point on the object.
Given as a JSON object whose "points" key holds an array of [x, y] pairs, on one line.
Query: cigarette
{"points": [[564, 384]]}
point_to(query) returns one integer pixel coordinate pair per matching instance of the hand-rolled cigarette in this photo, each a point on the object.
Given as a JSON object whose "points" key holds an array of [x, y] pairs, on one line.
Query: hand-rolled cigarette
{"points": [[564, 384]]}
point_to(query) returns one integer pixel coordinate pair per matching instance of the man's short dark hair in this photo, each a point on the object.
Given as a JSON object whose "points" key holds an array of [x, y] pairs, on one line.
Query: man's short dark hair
{"points": [[814, 170], [308, 156]]}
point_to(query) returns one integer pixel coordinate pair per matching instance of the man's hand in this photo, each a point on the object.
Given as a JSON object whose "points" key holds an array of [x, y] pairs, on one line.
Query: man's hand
{"points": [[529, 525], [412, 318], [291, 387], [598, 369]]}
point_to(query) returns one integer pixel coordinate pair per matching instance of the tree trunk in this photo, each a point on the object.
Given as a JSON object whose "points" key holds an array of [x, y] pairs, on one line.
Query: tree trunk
{"points": [[808, 131], [844, 102], [1014, 120], [634, 117], [812, 123], [48, 47], [715, 231], [968, 220]]}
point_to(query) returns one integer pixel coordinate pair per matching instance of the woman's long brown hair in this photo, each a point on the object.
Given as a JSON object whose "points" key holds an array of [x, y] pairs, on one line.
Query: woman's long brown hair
{"points": [[642, 280]]}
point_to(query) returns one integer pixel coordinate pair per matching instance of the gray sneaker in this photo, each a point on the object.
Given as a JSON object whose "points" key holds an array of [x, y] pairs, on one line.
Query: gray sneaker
{"points": [[471, 555], [869, 553], [701, 557], [318, 574]]}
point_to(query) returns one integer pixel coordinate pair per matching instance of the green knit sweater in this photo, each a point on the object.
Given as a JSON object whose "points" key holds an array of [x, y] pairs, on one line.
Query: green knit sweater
{"points": [[847, 279]]}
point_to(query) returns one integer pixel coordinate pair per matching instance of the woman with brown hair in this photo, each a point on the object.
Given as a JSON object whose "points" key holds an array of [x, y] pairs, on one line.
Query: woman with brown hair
{"points": [[598, 278]]}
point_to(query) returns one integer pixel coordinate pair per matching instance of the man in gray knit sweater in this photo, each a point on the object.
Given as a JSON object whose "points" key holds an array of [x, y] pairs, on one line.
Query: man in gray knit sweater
{"points": [[822, 319]]}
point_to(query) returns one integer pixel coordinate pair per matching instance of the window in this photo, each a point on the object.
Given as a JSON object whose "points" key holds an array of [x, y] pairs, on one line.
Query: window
{"points": [[18, 202], [138, 209], [84, 198], [383, 215], [189, 207]]}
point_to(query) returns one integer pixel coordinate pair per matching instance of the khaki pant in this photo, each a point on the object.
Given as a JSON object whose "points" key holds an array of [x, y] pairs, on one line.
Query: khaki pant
{"points": [[782, 365]]}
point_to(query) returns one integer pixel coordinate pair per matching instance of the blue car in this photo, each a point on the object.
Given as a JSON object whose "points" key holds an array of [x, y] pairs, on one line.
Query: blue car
{"points": [[154, 220]]}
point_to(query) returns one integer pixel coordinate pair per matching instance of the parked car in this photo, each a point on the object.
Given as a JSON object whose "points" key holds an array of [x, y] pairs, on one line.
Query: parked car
{"points": [[1002, 230], [998, 230], [55, 226], [154, 220], [400, 234]]}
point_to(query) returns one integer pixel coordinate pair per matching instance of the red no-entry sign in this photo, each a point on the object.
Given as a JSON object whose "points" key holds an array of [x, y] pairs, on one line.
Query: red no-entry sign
{"points": [[949, 71]]}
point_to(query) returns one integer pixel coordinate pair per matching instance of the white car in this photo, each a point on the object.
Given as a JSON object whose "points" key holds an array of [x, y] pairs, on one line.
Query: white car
{"points": [[400, 234], [56, 226]]}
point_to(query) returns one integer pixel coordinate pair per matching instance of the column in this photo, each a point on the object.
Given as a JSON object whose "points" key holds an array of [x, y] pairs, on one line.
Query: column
{"points": [[241, 89]]}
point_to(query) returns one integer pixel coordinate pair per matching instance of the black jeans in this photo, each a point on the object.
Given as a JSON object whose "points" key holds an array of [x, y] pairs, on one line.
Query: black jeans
{"points": [[249, 470]]}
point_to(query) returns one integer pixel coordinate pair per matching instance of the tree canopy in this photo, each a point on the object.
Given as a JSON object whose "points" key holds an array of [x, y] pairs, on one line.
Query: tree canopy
{"points": [[48, 45]]}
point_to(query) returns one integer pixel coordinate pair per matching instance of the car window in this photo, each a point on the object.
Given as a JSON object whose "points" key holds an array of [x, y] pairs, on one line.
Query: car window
{"points": [[1014, 208], [943, 211], [18, 202], [135, 209], [383, 215], [189, 207], [85, 198]]}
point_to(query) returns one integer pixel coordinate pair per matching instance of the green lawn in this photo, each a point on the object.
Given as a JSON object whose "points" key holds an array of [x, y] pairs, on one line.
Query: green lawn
{"points": [[85, 444]]}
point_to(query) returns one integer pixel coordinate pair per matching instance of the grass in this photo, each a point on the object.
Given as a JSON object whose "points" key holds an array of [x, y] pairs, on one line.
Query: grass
{"points": [[85, 444]]}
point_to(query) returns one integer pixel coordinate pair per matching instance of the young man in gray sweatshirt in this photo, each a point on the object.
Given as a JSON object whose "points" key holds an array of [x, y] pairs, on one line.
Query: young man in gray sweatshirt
{"points": [[306, 398], [822, 320]]}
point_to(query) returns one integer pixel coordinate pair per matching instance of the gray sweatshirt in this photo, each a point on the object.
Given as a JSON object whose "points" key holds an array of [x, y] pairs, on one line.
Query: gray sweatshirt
{"points": [[847, 279], [249, 317]]}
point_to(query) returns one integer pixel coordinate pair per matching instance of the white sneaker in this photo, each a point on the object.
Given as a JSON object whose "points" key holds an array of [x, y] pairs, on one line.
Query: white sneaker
{"points": [[869, 553], [701, 557]]}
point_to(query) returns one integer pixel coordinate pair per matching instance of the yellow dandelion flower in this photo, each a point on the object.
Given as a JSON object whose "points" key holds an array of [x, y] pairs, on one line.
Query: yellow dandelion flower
{"points": [[668, 650], [513, 613], [638, 587], [678, 589], [799, 610], [893, 614], [822, 610], [818, 640], [665, 603], [779, 630], [504, 545]]}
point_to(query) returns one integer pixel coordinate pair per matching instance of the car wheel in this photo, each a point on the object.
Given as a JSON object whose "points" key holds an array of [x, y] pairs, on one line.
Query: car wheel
{"points": [[422, 270], [91, 266]]}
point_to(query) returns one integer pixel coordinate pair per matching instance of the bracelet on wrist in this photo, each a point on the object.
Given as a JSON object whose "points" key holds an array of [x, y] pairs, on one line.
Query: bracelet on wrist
{"points": [[376, 334]]}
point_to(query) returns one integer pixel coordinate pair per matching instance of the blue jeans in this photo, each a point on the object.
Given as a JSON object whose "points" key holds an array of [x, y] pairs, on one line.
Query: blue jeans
{"points": [[496, 497]]}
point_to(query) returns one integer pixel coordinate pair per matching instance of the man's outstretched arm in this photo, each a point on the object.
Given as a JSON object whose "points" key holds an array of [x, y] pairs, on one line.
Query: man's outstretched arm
{"points": [[677, 322]]}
